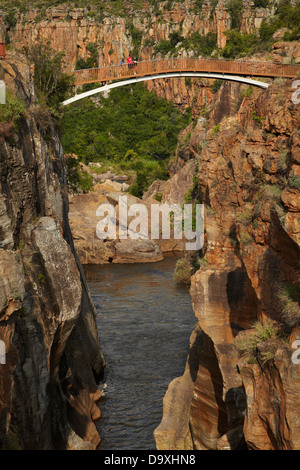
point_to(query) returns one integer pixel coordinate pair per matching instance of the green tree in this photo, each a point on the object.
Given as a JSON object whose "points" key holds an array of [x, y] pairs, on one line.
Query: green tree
{"points": [[239, 44], [52, 82], [78, 180], [235, 8], [261, 3], [92, 57]]}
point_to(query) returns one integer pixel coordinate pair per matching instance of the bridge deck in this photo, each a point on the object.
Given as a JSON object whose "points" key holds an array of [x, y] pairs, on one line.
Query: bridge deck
{"points": [[154, 67]]}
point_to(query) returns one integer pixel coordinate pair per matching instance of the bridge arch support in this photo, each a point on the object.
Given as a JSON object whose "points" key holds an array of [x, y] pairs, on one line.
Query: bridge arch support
{"points": [[234, 78]]}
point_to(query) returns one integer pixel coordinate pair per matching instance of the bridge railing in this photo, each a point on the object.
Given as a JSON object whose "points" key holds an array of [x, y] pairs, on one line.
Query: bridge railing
{"points": [[179, 64]]}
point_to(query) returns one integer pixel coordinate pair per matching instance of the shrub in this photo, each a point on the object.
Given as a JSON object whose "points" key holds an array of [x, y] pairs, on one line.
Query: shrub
{"points": [[245, 217], [158, 197], [261, 3], [215, 130], [182, 273], [294, 181], [265, 331], [201, 45], [195, 261], [188, 82], [266, 31], [188, 197], [239, 44], [10, 19], [78, 179], [12, 110], [42, 278], [272, 192], [164, 47], [283, 159], [245, 238], [216, 85], [248, 92], [147, 171], [136, 35], [175, 38], [92, 57], [245, 342], [289, 302], [294, 35], [234, 241], [248, 341], [257, 118], [203, 263], [235, 8]]}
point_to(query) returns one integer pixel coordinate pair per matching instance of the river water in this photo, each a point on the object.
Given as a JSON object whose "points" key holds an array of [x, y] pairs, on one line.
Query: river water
{"points": [[145, 321]]}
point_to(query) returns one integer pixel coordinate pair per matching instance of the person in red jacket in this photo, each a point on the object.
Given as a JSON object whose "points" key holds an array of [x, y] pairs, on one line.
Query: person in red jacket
{"points": [[129, 62]]}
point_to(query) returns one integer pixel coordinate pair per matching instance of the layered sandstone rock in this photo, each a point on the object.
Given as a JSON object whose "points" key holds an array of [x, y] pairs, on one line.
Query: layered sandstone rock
{"points": [[93, 250], [251, 248], [48, 391]]}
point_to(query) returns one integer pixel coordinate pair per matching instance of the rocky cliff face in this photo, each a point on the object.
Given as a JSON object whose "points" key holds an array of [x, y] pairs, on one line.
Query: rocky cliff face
{"points": [[243, 397], [48, 389]]}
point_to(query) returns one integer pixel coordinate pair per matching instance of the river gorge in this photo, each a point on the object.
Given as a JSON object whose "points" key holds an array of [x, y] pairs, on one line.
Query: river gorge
{"points": [[144, 321]]}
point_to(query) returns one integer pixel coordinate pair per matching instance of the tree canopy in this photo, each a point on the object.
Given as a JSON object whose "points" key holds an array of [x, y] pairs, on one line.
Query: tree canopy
{"points": [[132, 129]]}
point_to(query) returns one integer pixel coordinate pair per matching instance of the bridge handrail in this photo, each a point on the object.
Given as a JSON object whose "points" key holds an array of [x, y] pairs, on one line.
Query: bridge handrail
{"points": [[216, 59], [185, 64]]}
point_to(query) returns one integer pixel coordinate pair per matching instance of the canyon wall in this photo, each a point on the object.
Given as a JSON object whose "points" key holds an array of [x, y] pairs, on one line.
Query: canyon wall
{"points": [[230, 398], [48, 389]]}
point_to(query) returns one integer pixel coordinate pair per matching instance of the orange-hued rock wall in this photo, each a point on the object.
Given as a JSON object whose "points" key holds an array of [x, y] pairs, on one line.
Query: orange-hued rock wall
{"points": [[252, 237]]}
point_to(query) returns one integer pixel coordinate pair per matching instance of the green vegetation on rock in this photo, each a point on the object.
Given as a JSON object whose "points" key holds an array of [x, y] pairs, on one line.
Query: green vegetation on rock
{"points": [[261, 341], [182, 272], [12, 110], [289, 302], [52, 82], [199, 44], [241, 44], [130, 130], [294, 181]]}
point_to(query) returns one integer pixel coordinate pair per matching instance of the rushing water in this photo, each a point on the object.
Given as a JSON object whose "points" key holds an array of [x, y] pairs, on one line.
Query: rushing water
{"points": [[144, 321]]}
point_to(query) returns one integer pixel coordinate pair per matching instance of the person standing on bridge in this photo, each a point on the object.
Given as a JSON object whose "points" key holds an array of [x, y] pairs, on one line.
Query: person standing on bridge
{"points": [[134, 63], [122, 61], [129, 62]]}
